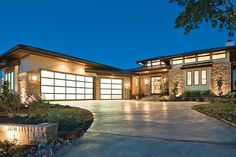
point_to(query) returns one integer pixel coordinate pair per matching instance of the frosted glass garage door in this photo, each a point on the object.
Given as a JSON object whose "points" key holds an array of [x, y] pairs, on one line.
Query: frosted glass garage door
{"points": [[111, 88], [63, 86]]}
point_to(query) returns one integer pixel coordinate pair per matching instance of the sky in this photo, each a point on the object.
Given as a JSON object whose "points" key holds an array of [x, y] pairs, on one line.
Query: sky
{"points": [[112, 32]]}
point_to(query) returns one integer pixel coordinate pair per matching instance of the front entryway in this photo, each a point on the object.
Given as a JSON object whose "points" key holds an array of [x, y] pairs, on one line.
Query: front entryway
{"points": [[156, 85]]}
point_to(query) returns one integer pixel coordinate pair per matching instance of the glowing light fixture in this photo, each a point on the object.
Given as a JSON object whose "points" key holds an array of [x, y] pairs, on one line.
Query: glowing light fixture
{"points": [[146, 81], [34, 78], [10, 134]]}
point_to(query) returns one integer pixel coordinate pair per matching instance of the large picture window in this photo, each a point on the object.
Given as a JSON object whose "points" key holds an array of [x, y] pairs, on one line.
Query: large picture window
{"points": [[63, 86], [111, 88]]}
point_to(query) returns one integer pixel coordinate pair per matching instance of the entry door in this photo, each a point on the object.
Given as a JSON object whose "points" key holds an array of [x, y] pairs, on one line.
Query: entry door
{"points": [[156, 85]]}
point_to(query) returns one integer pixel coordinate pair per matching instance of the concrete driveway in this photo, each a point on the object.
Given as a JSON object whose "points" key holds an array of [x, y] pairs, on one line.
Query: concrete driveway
{"points": [[151, 129]]}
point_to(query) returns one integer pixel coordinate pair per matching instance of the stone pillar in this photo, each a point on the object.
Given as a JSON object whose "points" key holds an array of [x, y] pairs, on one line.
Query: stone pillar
{"points": [[29, 84], [221, 70], [176, 74]]}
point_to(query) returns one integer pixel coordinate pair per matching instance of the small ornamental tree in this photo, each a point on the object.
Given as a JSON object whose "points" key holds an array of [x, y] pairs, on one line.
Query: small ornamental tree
{"points": [[175, 88], [219, 84]]}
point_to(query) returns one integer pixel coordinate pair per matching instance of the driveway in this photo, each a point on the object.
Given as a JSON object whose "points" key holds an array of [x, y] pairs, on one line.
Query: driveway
{"points": [[151, 129]]}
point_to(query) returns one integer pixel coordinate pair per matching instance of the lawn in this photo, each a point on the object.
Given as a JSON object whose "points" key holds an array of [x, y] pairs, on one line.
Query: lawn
{"points": [[225, 112]]}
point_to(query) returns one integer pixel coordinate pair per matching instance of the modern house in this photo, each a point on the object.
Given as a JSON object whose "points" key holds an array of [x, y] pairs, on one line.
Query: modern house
{"points": [[54, 76]]}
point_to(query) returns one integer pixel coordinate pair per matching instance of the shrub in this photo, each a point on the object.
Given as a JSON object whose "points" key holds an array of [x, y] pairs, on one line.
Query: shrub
{"points": [[9, 102], [231, 95]]}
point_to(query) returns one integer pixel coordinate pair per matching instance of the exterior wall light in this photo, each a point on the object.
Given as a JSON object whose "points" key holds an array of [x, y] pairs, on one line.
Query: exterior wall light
{"points": [[34, 77], [10, 134], [146, 81], [127, 85]]}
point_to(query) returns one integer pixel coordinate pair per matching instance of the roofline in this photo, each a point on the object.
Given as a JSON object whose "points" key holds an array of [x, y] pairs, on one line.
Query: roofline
{"points": [[189, 53], [55, 54]]}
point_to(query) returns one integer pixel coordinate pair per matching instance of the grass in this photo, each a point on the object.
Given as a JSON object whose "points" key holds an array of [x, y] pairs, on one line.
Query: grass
{"points": [[68, 118], [225, 112]]}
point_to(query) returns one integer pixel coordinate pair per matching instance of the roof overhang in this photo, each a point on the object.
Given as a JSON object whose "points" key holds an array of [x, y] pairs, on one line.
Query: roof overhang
{"points": [[21, 51]]}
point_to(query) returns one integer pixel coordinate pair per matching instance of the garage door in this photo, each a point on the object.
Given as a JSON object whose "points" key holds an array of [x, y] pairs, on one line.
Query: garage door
{"points": [[111, 88], [63, 86]]}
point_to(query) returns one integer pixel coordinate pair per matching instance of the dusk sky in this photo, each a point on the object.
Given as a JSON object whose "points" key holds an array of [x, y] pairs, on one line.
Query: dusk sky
{"points": [[113, 32]]}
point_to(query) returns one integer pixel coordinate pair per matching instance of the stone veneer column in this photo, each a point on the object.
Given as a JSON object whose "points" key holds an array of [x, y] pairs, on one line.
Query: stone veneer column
{"points": [[176, 74], [221, 70], [28, 87]]}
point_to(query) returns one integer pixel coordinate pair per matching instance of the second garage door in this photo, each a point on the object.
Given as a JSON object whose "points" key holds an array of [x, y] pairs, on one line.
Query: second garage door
{"points": [[111, 88]]}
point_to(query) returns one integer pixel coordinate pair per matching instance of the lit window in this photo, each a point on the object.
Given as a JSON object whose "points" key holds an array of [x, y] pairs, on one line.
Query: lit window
{"points": [[149, 63], [9, 77], [203, 58], [196, 77], [189, 78], [156, 63], [204, 77], [177, 62], [190, 60], [219, 56]]}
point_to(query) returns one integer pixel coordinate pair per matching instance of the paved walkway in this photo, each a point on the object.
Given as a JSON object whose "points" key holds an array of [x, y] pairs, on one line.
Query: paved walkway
{"points": [[151, 129]]}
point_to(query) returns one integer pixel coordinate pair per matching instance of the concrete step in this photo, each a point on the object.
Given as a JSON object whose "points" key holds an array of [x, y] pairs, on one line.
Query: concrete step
{"points": [[151, 98]]}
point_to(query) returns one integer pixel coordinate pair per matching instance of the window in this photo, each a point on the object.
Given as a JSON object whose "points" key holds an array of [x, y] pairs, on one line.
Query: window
{"points": [[179, 61], [196, 77], [9, 77], [190, 60], [62, 86], [203, 58], [204, 77], [219, 56], [111, 88], [189, 78]]}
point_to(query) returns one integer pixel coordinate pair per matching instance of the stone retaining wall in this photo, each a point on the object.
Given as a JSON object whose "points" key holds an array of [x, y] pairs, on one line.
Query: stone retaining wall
{"points": [[28, 134]]}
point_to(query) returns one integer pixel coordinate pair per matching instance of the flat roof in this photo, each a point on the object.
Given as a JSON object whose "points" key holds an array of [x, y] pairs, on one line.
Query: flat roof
{"points": [[36, 50], [189, 53]]}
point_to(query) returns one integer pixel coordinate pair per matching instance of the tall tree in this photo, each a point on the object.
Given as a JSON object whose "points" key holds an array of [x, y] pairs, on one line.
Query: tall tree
{"points": [[221, 14]]}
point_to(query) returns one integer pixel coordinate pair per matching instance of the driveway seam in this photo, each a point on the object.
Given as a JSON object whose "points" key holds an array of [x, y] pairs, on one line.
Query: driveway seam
{"points": [[166, 139]]}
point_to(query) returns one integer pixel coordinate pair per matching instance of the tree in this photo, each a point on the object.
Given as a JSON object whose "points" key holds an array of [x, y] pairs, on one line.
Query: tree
{"points": [[221, 14]]}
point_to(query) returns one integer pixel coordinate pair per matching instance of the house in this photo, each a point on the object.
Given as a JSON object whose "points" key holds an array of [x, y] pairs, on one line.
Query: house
{"points": [[55, 76]]}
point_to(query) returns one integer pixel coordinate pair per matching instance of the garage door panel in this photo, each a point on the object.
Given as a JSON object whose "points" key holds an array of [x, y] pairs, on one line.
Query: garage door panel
{"points": [[111, 88], [62, 86]]}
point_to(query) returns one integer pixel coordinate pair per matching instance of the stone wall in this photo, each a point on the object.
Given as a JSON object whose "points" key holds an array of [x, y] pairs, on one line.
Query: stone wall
{"points": [[28, 134], [221, 70], [176, 75]]}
